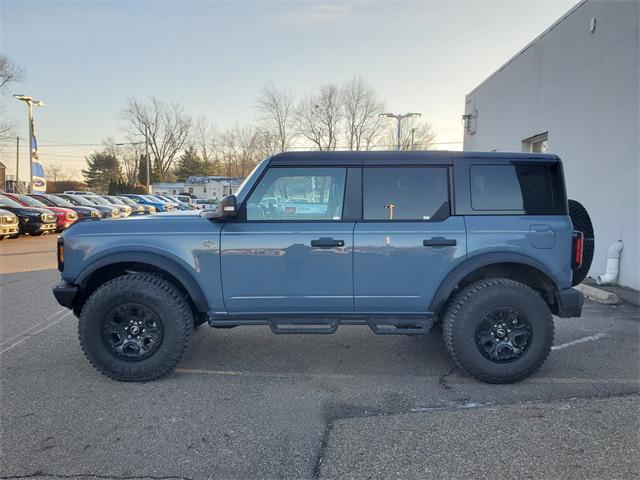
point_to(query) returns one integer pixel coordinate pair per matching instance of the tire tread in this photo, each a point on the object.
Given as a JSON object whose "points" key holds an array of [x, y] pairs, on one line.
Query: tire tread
{"points": [[451, 315], [132, 282]]}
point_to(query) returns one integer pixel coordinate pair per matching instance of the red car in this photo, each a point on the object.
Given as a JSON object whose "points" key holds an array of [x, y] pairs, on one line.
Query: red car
{"points": [[65, 217]]}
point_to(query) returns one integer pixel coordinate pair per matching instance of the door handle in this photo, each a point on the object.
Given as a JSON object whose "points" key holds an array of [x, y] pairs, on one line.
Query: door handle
{"points": [[327, 242], [440, 242]]}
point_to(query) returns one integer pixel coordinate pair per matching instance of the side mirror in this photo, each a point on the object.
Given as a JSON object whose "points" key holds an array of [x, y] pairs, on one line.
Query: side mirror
{"points": [[227, 208]]}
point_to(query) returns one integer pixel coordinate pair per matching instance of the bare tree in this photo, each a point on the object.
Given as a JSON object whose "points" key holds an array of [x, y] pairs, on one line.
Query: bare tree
{"points": [[240, 150], [129, 157], [57, 172], [9, 72], [319, 117], [166, 126], [276, 107], [361, 107], [414, 130]]}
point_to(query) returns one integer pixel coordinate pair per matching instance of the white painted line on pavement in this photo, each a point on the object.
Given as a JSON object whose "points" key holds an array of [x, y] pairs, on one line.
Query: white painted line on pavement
{"points": [[234, 373], [15, 337], [33, 334], [590, 338]]}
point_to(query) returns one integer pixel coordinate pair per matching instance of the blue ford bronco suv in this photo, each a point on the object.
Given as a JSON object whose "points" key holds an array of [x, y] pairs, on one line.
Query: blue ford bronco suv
{"points": [[480, 244]]}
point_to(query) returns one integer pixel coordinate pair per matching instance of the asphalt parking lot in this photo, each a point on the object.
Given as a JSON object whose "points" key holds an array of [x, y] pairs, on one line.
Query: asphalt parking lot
{"points": [[245, 403]]}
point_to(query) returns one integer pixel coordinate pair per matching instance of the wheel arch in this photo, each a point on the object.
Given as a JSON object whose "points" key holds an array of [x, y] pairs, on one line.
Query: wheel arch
{"points": [[117, 264], [514, 266]]}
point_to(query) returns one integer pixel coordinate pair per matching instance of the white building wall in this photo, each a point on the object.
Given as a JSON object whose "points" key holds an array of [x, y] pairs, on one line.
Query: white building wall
{"points": [[583, 89], [205, 190]]}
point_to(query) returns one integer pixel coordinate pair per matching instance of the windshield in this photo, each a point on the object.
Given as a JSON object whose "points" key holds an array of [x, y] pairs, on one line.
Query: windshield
{"points": [[152, 199], [7, 202], [32, 202], [79, 200], [57, 201], [258, 168], [98, 200], [115, 200], [126, 200]]}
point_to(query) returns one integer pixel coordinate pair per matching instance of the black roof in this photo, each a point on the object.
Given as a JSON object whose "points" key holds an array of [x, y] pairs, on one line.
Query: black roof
{"points": [[415, 157]]}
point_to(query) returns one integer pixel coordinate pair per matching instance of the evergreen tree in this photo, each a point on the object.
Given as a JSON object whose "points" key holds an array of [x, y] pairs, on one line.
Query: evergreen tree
{"points": [[102, 169], [190, 164], [142, 170]]}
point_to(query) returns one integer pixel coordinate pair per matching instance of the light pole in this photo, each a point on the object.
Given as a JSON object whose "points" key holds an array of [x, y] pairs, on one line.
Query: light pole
{"points": [[399, 117], [146, 157], [30, 103]]}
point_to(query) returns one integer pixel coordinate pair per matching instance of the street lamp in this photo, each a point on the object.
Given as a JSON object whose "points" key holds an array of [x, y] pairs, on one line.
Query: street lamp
{"points": [[30, 103], [399, 118]]}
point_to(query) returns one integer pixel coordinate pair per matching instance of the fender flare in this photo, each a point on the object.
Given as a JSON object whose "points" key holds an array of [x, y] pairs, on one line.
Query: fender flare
{"points": [[172, 267], [456, 275]]}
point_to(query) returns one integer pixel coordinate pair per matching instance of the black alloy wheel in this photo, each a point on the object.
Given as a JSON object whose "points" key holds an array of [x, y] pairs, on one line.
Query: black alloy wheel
{"points": [[132, 332], [503, 334]]}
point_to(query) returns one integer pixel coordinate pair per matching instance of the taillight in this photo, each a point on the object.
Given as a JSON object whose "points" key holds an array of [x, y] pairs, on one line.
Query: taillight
{"points": [[577, 249], [60, 253]]}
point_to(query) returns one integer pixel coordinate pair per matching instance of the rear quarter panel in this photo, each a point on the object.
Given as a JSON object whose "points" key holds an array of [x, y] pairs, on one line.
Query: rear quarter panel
{"points": [[545, 238]]}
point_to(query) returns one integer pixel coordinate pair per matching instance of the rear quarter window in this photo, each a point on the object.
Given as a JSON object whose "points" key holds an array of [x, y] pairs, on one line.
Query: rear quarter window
{"points": [[512, 188]]}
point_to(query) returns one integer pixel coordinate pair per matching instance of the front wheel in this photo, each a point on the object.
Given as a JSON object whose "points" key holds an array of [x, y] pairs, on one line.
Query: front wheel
{"points": [[135, 327], [498, 330]]}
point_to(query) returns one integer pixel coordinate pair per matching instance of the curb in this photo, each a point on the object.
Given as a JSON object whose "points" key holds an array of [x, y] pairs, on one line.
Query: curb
{"points": [[599, 295]]}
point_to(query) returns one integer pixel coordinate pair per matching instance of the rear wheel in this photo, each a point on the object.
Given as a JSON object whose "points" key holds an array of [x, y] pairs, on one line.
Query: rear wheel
{"points": [[582, 222], [135, 327], [498, 330]]}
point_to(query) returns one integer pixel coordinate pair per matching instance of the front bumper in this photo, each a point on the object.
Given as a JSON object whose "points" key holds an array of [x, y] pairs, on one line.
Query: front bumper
{"points": [[65, 294], [8, 229], [34, 227], [569, 302]]}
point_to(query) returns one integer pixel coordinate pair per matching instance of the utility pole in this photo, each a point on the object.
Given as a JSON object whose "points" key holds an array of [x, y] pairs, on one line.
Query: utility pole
{"points": [[399, 118], [30, 103], [413, 143], [146, 157], [15, 185]]}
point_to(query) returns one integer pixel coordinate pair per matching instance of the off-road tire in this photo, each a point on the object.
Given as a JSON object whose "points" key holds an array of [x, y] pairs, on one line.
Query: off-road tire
{"points": [[153, 292], [582, 222], [465, 312]]}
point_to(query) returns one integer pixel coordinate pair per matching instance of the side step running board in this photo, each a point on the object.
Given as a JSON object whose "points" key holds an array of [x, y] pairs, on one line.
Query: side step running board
{"points": [[304, 326], [288, 323], [401, 326]]}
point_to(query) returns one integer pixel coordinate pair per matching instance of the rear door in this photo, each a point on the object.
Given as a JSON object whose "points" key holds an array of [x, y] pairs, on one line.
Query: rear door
{"points": [[407, 241]]}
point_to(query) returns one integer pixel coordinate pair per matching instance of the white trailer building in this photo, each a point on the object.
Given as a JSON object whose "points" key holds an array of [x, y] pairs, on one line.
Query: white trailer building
{"points": [[574, 91]]}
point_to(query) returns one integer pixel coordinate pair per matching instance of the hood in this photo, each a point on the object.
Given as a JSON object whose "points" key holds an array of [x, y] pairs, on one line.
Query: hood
{"points": [[6, 213], [60, 210], [27, 210], [144, 225]]}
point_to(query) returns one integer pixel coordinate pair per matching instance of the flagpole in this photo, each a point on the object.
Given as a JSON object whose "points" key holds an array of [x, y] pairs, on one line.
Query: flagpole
{"points": [[30, 102], [30, 107]]}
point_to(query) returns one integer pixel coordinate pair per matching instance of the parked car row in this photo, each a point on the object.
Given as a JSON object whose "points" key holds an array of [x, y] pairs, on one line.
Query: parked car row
{"points": [[41, 213]]}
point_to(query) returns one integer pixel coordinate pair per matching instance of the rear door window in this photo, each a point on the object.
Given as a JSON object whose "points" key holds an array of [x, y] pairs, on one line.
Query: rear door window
{"points": [[405, 193]]}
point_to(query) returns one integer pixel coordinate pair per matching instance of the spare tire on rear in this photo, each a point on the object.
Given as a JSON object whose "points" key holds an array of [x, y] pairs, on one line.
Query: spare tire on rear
{"points": [[582, 222]]}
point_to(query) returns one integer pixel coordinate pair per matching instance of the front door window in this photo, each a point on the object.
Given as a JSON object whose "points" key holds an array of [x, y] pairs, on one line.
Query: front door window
{"points": [[303, 194]]}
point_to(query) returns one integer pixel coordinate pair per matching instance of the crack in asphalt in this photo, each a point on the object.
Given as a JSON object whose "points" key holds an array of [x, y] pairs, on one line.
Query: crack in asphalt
{"points": [[352, 413]]}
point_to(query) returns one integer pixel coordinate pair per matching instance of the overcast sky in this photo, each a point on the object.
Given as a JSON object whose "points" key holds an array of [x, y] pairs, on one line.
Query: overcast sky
{"points": [[84, 59]]}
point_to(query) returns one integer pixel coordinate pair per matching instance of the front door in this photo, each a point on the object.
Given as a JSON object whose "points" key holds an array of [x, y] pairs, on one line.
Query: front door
{"points": [[407, 242], [292, 251]]}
